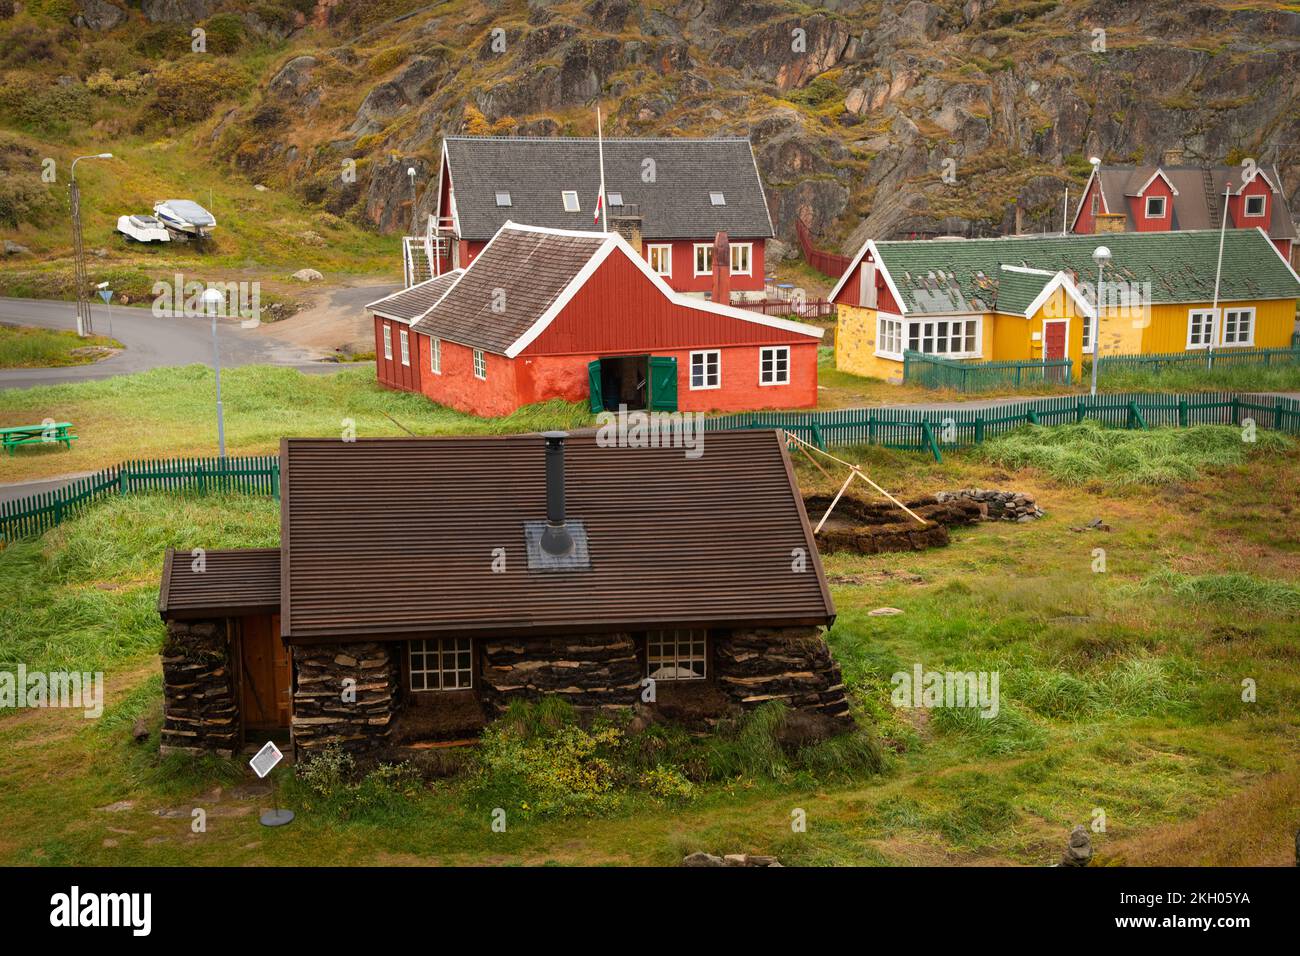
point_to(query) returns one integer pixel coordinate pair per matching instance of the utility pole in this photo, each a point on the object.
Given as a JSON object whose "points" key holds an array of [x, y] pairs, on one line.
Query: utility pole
{"points": [[84, 325]]}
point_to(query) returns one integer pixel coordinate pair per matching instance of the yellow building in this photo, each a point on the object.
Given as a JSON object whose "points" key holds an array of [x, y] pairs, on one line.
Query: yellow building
{"points": [[1033, 298]]}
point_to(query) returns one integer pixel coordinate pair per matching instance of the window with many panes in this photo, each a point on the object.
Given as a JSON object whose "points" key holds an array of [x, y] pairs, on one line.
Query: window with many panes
{"points": [[889, 337], [480, 364], [444, 663], [388, 341], [1087, 333], [944, 337], [741, 253], [774, 366], [676, 655], [435, 356], [660, 259], [1239, 327], [706, 369], [1200, 328], [703, 258], [404, 336]]}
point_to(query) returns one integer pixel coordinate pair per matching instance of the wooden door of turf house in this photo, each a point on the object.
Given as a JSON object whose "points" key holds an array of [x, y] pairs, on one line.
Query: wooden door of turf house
{"points": [[264, 703]]}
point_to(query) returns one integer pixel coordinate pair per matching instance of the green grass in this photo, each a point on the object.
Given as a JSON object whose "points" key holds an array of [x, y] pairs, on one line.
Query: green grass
{"points": [[171, 411], [1120, 690], [1088, 451], [26, 347], [1236, 378]]}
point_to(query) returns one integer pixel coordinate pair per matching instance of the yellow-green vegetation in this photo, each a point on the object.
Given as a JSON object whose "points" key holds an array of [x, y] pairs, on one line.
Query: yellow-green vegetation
{"points": [[26, 347], [170, 412], [1121, 690]]}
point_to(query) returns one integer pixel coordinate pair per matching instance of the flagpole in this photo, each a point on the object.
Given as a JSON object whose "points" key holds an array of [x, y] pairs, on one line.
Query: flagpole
{"points": [[600, 148], [1215, 324]]}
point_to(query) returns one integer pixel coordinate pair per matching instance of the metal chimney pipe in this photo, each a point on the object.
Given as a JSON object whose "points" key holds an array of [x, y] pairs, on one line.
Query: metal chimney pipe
{"points": [[556, 539]]}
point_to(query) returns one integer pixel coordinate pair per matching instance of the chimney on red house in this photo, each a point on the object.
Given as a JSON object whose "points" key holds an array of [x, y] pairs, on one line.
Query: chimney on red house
{"points": [[721, 269]]}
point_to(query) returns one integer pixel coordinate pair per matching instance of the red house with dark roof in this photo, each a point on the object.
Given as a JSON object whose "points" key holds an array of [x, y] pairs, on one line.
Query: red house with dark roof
{"points": [[1173, 196], [668, 197], [546, 313]]}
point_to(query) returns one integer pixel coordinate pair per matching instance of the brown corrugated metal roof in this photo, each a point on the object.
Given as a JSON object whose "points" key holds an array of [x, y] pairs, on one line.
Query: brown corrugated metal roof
{"points": [[509, 286], [232, 582], [398, 536], [409, 304]]}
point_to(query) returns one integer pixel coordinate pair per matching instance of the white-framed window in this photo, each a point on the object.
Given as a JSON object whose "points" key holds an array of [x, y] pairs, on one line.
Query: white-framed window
{"points": [[435, 356], [442, 663], [1239, 327], [742, 258], [703, 258], [1255, 206], [615, 199], [503, 198], [774, 365], [570, 201], [889, 336], [388, 341], [405, 341], [1200, 328], [660, 258], [480, 364], [956, 338], [676, 655], [1155, 207], [717, 199], [706, 369]]}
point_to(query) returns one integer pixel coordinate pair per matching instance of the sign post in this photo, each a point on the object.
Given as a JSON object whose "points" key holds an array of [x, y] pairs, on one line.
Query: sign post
{"points": [[263, 763]]}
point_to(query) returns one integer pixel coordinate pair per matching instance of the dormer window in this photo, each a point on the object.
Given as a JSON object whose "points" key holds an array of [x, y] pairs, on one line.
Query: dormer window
{"points": [[1155, 207], [570, 201], [717, 199], [503, 198], [615, 199], [1255, 205]]}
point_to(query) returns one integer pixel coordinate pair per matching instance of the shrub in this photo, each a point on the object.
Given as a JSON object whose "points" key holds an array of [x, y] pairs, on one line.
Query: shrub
{"points": [[42, 106], [189, 91], [329, 782], [667, 783], [224, 33]]}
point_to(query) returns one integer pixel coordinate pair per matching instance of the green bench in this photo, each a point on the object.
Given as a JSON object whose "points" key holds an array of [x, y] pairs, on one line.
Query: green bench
{"points": [[17, 435]]}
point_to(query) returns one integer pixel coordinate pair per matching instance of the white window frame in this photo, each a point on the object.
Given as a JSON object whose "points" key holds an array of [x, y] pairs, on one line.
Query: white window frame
{"points": [[1263, 206], [1249, 314], [435, 356], [664, 249], [615, 199], [1164, 207], [404, 340], [1207, 335], [480, 365], [717, 198], [388, 342], [890, 330], [763, 358], [748, 249], [440, 658], [681, 650], [707, 357], [971, 327], [504, 194], [1089, 327], [708, 255], [567, 195]]}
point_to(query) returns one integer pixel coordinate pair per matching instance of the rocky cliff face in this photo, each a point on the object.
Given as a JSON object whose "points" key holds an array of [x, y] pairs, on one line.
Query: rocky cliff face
{"points": [[868, 119]]}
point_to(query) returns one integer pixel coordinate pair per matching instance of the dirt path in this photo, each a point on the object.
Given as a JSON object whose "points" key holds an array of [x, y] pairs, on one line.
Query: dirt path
{"points": [[336, 318]]}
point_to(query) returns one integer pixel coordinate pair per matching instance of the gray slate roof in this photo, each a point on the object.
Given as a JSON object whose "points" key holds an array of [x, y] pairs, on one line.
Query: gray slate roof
{"points": [[409, 304], [676, 205], [520, 270]]}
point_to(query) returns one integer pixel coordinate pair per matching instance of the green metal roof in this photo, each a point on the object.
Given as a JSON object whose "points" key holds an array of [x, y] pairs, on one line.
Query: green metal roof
{"points": [[966, 275]]}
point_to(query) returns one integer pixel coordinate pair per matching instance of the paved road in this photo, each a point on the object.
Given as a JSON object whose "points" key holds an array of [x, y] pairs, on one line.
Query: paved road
{"points": [[152, 342], [21, 489]]}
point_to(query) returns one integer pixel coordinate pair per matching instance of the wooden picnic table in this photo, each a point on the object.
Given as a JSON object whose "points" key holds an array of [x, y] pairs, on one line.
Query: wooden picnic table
{"points": [[44, 434]]}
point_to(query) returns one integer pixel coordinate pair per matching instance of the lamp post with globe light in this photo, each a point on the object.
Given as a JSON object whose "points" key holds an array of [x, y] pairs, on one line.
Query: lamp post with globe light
{"points": [[1101, 256], [84, 325], [213, 301]]}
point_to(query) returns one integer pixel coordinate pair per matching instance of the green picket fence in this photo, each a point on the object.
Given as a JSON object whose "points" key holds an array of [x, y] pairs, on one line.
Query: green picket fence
{"points": [[1219, 358], [35, 514], [931, 431], [935, 371]]}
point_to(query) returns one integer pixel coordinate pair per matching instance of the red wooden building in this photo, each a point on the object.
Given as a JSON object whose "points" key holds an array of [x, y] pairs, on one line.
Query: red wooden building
{"points": [[546, 313], [1173, 196], [667, 197]]}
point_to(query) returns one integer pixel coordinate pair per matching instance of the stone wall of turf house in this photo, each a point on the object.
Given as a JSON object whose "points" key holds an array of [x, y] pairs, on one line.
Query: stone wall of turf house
{"points": [[200, 711], [346, 695]]}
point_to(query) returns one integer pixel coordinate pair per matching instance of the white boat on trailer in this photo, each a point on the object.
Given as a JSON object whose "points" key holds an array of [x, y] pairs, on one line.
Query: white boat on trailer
{"points": [[185, 216], [143, 228]]}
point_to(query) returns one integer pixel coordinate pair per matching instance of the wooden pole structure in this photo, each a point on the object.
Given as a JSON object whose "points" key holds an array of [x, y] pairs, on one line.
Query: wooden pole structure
{"points": [[854, 470]]}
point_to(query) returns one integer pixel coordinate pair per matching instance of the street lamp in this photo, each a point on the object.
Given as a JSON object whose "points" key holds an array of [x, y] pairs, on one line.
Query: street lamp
{"points": [[410, 174], [1101, 256], [212, 302], [84, 325]]}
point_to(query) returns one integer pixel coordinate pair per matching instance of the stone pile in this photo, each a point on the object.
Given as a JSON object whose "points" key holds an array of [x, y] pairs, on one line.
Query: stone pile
{"points": [[997, 505], [792, 664], [327, 710], [731, 859], [588, 670], [201, 713]]}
